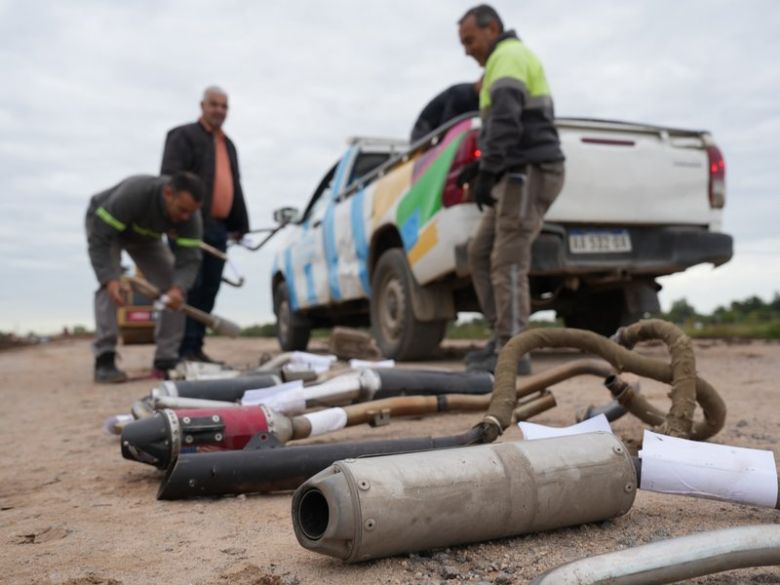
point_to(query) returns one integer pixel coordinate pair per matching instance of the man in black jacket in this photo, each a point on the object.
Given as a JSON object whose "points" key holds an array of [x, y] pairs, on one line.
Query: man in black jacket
{"points": [[452, 102], [202, 148]]}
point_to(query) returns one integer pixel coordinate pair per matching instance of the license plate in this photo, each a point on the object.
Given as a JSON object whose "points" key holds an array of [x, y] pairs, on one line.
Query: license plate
{"points": [[139, 316], [606, 241]]}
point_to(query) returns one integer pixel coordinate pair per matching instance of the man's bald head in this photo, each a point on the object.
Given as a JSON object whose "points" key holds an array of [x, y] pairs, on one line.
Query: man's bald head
{"points": [[214, 106]]}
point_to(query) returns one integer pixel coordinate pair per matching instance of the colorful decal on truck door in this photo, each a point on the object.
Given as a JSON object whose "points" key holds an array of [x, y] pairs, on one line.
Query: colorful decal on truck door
{"points": [[359, 234], [389, 188], [427, 240], [423, 200], [458, 131]]}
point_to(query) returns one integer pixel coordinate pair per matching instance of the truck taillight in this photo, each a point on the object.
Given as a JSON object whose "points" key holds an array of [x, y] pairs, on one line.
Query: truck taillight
{"points": [[717, 185], [468, 152]]}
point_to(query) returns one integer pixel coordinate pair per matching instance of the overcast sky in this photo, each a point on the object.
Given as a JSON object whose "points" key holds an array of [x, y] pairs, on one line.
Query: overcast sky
{"points": [[90, 88]]}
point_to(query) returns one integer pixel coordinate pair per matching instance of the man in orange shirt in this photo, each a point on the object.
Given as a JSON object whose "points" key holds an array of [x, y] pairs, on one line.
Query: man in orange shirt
{"points": [[203, 148]]}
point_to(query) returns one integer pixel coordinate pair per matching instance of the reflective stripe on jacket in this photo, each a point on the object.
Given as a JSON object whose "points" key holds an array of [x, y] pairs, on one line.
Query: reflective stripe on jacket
{"points": [[133, 212]]}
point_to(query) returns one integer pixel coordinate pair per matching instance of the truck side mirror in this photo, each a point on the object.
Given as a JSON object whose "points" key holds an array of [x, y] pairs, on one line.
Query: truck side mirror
{"points": [[285, 215]]}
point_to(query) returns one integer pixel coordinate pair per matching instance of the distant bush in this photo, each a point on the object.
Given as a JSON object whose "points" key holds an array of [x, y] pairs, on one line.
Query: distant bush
{"points": [[259, 330], [751, 318]]}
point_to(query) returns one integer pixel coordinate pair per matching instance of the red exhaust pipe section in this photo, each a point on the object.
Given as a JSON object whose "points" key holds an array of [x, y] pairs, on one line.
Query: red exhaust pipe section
{"points": [[159, 439]]}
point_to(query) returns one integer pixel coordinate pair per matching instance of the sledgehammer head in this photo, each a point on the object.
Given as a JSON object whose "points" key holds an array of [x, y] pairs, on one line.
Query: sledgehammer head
{"points": [[222, 326]]}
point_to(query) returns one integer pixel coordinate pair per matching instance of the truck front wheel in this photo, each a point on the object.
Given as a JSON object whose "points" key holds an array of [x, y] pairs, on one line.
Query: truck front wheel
{"points": [[397, 332], [292, 330]]}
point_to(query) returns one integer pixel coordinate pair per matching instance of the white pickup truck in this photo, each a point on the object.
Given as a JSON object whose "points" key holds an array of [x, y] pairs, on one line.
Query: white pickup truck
{"points": [[383, 239]]}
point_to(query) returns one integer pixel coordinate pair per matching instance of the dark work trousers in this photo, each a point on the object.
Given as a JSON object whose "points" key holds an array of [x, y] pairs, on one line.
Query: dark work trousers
{"points": [[500, 252], [203, 293]]}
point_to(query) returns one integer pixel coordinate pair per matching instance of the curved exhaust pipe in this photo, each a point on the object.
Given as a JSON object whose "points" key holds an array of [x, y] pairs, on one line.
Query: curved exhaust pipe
{"points": [[675, 559]]}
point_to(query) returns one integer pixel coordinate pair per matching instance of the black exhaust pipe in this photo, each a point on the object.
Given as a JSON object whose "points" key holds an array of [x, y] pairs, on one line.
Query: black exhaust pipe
{"points": [[263, 468]]}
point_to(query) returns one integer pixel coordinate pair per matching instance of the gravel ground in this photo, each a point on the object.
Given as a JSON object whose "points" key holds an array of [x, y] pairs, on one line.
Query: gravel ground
{"points": [[73, 512]]}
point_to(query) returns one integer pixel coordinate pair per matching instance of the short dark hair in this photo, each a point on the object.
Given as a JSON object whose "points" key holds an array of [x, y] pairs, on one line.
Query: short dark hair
{"points": [[189, 182], [484, 14]]}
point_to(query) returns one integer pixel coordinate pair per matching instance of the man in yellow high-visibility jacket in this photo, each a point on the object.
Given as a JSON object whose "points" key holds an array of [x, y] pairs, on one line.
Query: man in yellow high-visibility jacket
{"points": [[518, 176]]}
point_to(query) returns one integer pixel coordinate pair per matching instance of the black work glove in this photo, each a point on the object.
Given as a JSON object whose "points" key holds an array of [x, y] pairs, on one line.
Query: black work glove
{"points": [[467, 173], [481, 189]]}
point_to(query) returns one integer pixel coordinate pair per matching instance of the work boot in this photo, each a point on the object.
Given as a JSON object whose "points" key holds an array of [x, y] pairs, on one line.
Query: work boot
{"points": [[161, 367], [106, 371], [480, 354], [199, 356], [488, 364]]}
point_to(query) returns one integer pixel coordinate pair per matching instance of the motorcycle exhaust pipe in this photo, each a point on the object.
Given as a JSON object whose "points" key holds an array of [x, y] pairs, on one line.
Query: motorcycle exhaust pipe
{"points": [[225, 389], [362, 385], [269, 469], [200, 393], [159, 440], [367, 384], [361, 509]]}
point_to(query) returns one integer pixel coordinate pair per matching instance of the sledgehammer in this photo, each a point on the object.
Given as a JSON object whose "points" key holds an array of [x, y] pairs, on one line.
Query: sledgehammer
{"points": [[217, 324]]}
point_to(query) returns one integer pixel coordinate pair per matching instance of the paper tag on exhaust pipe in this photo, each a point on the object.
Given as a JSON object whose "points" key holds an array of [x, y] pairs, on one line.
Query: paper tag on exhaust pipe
{"points": [[705, 470], [533, 431], [113, 424], [318, 363], [287, 398], [355, 363], [325, 421]]}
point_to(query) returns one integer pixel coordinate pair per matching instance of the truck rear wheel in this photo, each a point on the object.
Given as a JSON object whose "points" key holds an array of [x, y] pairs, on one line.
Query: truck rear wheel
{"points": [[396, 330], [292, 330]]}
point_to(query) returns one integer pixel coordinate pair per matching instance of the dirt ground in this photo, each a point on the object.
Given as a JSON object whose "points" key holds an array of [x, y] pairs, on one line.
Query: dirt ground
{"points": [[72, 511]]}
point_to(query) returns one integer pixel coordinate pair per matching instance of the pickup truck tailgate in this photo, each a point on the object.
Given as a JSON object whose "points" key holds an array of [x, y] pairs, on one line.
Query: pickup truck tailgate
{"points": [[630, 174]]}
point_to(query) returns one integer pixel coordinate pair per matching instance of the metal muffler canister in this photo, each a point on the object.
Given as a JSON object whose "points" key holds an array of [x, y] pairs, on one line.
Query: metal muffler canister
{"points": [[360, 509]]}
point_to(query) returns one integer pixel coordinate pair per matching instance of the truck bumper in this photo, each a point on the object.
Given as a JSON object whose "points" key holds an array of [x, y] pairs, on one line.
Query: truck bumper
{"points": [[654, 251]]}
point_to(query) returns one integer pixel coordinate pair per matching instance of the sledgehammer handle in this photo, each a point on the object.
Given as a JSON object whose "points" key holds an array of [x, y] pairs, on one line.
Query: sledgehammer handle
{"points": [[217, 324]]}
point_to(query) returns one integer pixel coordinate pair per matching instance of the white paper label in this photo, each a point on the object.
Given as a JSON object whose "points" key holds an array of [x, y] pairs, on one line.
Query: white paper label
{"points": [[369, 364], [114, 424], [317, 363], [706, 470], [325, 421], [287, 398], [533, 431], [205, 371]]}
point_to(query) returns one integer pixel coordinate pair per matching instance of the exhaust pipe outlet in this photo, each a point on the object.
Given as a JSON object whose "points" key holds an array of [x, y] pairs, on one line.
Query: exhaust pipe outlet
{"points": [[359, 509]]}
